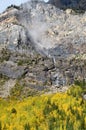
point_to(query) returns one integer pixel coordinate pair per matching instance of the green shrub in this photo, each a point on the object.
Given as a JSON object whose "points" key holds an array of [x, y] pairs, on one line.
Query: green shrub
{"points": [[13, 111], [75, 91], [0, 126], [27, 126]]}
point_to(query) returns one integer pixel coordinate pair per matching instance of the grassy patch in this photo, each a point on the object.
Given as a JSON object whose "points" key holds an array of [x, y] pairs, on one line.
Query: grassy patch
{"points": [[22, 91], [4, 55], [3, 79]]}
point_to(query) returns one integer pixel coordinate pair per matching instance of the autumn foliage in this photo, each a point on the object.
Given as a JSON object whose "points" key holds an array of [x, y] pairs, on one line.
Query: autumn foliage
{"points": [[61, 111]]}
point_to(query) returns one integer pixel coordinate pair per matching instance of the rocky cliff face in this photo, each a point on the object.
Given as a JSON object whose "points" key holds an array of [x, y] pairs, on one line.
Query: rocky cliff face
{"points": [[45, 47], [42, 26], [75, 4], [82, 4]]}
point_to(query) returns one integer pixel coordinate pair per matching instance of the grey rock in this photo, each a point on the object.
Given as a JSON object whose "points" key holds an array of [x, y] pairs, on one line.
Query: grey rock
{"points": [[47, 46], [75, 4], [43, 28], [5, 89], [84, 96], [13, 71]]}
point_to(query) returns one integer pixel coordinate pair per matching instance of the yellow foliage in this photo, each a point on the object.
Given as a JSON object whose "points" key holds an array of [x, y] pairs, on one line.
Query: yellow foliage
{"points": [[59, 111]]}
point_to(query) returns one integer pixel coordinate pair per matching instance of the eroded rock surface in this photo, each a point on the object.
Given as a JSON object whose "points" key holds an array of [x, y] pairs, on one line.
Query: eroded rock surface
{"points": [[44, 28], [41, 74], [75, 4], [45, 48]]}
